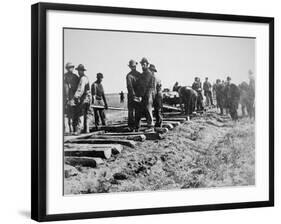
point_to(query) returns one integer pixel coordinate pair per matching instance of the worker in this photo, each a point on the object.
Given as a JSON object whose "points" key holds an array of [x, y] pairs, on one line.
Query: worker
{"points": [[131, 80], [82, 99], [99, 101], [121, 97], [70, 86], [219, 95], [251, 94], [207, 92], [146, 85], [198, 88], [232, 94], [157, 97]]}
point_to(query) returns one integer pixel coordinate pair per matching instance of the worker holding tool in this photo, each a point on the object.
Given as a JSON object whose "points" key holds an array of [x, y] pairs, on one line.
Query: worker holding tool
{"points": [[99, 101]]}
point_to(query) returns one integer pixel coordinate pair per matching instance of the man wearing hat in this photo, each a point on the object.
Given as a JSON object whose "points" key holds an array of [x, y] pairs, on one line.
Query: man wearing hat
{"points": [[198, 88], [99, 100], [70, 82], [82, 99], [207, 92], [132, 88], [232, 97], [146, 85], [157, 97]]}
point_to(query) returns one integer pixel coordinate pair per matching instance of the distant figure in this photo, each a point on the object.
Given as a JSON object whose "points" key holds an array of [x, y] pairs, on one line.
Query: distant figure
{"points": [[82, 98], [244, 98], [252, 93], [198, 88], [219, 95], [207, 92], [157, 98], [122, 97], [132, 88], [70, 82], [176, 87], [232, 94], [99, 100]]}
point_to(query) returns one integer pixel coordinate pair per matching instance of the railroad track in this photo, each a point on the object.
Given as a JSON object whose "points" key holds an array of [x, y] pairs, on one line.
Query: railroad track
{"points": [[95, 148]]}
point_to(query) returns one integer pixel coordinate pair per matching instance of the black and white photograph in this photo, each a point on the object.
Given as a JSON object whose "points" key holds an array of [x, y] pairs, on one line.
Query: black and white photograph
{"points": [[152, 111]]}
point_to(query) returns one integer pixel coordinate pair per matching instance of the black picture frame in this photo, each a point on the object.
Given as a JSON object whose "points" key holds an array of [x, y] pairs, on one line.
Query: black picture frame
{"points": [[38, 108]]}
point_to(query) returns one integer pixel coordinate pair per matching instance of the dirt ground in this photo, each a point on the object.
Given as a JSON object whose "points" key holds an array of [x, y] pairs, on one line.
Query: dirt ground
{"points": [[208, 151]]}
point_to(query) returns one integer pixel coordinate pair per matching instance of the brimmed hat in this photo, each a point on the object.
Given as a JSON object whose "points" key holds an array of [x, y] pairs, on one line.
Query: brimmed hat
{"points": [[69, 65], [80, 68], [132, 63], [144, 60], [152, 68]]}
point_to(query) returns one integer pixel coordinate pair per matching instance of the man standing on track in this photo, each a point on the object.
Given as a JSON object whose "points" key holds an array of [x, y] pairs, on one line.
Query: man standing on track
{"points": [[146, 84], [131, 79], [99, 101], [82, 99], [207, 92], [157, 98], [70, 85]]}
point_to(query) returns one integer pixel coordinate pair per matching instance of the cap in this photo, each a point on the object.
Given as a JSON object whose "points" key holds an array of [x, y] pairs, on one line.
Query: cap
{"points": [[132, 63], [81, 68], [69, 65]]}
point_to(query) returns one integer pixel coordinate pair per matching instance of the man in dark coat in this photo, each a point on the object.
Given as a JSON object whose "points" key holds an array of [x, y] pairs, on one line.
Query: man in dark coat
{"points": [[82, 98], [219, 95], [198, 88], [157, 98], [146, 87], [131, 80], [232, 94], [207, 92], [70, 83]]}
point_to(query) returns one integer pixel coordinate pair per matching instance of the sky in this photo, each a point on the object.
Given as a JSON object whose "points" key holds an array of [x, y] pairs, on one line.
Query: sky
{"points": [[176, 57]]}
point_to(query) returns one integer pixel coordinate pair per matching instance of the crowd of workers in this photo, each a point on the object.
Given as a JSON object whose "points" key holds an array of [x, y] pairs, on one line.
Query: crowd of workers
{"points": [[144, 97]]}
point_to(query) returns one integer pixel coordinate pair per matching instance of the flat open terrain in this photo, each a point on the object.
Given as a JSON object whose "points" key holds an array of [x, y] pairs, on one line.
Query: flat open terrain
{"points": [[208, 151]]}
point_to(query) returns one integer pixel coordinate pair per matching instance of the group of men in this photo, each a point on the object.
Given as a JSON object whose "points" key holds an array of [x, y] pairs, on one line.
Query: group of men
{"points": [[144, 95], [229, 96], [78, 97]]}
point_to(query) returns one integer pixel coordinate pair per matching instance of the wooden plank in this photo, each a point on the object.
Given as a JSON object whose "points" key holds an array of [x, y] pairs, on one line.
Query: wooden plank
{"points": [[138, 138], [148, 135], [115, 148], [165, 106], [86, 135], [83, 161], [173, 123], [96, 152], [128, 143]]}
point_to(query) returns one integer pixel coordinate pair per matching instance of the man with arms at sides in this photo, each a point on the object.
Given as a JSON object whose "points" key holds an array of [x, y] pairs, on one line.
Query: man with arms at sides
{"points": [[82, 99], [157, 97], [207, 92], [198, 88], [131, 80], [99, 100], [70, 83], [146, 85]]}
